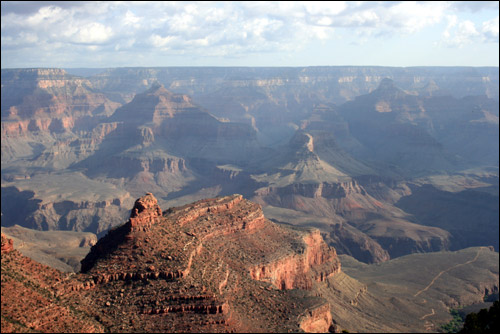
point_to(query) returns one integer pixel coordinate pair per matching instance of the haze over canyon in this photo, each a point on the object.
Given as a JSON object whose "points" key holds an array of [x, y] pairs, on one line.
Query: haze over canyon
{"points": [[294, 199]]}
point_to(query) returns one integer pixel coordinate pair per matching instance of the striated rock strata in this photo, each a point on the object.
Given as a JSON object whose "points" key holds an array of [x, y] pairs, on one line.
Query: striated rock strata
{"points": [[30, 302], [205, 261], [316, 262], [217, 265]]}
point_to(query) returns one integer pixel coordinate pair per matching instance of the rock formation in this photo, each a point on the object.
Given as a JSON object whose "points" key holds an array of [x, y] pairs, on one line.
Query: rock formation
{"points": [[77, 151], [29, 298], [216, 265], [205, 261], [7, 244], [144, 213]]}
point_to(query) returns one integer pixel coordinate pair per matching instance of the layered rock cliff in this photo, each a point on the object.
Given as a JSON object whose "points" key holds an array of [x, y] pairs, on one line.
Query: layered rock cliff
{"points": [[45, 113], [29, 298], [218, 265], [292, 146], [316, 261], [224, 250], [190, 268], [49, 100]]}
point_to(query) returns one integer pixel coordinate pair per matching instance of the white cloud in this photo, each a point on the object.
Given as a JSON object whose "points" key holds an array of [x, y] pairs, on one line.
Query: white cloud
{"points": [[92, 33], [413, 16], [490, 30], [161, 42], [131, 19], [229, 28], [46, 15], [461, 33]]}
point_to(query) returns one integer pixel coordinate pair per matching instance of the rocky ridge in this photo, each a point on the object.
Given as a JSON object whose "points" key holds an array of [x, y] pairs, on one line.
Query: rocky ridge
{"points": [[217, 265], [29, 298], [184, 148]]}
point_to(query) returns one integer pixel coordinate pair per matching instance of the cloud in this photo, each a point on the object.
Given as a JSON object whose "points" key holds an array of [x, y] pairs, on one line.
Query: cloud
{"points": [[461, 33], [223, 28], [92, 33], [474, 6], [30, 7], [490, 30], [131, 19]]}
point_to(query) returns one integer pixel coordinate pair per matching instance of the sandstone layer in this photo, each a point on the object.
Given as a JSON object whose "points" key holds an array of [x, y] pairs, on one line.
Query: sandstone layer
{"points": [[341, 143], [217, 265]]}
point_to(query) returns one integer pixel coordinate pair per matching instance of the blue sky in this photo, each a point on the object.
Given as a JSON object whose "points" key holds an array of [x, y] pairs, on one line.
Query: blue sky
{"points": [[313, 33]]}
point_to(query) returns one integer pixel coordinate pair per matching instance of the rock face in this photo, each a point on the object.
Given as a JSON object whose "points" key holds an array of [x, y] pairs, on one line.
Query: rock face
{"points": [[216, 265], [302, 139], [318, 320], [29, 298], [294, 272], [205, 261], [144, 213], [7, 244]]}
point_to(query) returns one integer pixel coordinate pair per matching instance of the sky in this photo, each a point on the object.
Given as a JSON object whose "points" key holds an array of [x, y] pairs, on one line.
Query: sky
{"points": [[97, 34]]}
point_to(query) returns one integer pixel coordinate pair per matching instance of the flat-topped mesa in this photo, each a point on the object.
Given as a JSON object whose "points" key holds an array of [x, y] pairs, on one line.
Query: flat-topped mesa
{"points": [[145, 212]]}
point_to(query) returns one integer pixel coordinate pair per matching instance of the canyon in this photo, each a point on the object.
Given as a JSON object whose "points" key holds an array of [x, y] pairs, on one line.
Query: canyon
{"points": [[368, 166], [218, 265], [77, 150], [174, 271]]}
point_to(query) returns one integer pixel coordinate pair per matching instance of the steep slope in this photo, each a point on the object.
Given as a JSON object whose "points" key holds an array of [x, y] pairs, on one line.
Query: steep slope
{"points": [[44, 112], [204, 263], [187, 130], [409, 135], [163, 142], [29, 298], [218, 265], [362, 225]]}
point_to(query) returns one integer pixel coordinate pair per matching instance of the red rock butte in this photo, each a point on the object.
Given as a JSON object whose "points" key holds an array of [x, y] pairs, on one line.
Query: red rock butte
{"points": [[217, 265]]}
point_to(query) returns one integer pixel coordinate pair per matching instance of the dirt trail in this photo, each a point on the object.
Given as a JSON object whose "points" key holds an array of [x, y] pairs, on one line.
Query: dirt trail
{"points": [[429, 326], [444, 271], [428, 315]]}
